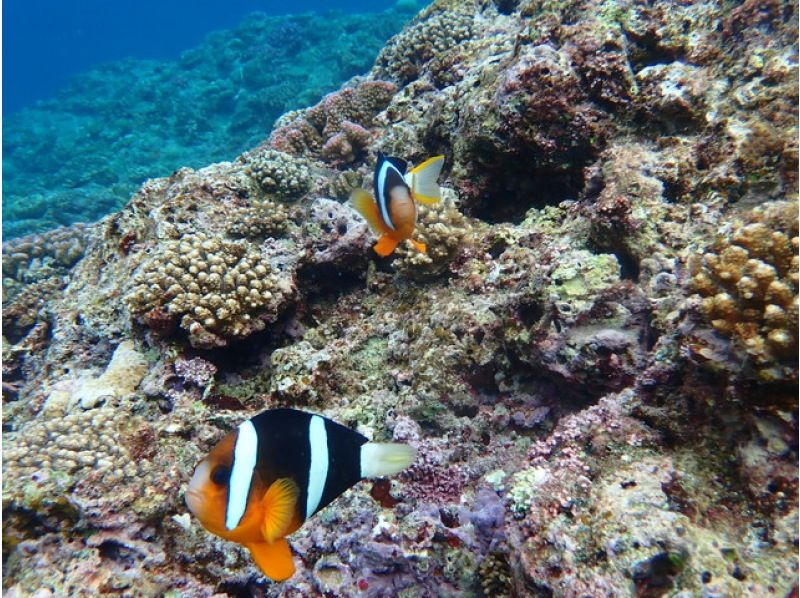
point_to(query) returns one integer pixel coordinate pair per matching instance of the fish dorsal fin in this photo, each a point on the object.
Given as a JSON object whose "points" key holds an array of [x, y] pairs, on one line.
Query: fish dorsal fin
{"points": [[274, 559], [423, 180], [280, 502], [366, 206], [398, 163]]}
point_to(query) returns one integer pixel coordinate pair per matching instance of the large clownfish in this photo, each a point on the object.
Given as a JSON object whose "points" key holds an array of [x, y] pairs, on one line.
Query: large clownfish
{"points": [[274, 471], [392, 212]]}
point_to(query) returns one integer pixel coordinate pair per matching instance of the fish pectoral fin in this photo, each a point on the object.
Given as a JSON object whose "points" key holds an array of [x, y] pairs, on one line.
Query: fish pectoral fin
{"points": [[385, 245], [423, 180], [273, 558], [421, 247], [279, 501], [366, 206]]}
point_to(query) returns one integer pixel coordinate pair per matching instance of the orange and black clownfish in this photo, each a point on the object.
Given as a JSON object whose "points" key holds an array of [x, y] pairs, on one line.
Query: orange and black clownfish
{"points": [[274, 471], [392, 213]]}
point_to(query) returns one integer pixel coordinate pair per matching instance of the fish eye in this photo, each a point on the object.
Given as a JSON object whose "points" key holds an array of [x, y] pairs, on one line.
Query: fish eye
{"points": [[221, 475]]}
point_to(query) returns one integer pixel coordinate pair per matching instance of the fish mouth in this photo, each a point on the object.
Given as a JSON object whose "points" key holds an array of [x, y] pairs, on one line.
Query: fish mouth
{"points": [[194, 501]]}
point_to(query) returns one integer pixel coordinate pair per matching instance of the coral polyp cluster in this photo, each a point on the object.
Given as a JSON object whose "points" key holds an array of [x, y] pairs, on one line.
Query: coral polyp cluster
{"points": [[278, 173], [748, 279], [214, 288]]}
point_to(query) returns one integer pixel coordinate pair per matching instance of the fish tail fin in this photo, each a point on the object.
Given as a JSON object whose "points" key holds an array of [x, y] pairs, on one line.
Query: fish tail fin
{"points": [[385, 245], [273, 558], [366, 206], [423, 180], [382, 459]]}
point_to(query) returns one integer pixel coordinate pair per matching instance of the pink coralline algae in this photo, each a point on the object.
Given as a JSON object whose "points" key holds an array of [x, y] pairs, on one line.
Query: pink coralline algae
{"points": [[336, 129]]}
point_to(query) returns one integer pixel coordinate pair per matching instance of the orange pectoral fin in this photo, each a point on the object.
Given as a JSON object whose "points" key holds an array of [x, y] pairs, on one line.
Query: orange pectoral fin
{"points": [[279, 509], [274, 560], [366, 206], [385, 245]]}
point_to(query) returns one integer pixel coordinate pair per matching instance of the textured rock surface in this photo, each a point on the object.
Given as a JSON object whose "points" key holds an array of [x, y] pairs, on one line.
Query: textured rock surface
{"points": [[592, 417]]}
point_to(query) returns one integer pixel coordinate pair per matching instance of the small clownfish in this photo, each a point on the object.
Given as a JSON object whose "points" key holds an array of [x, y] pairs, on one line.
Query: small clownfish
{"points": [[392, 213], [264, 479]]}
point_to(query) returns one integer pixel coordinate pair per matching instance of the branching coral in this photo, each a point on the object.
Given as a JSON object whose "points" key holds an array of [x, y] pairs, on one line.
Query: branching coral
{"points": [[748, 280], [218, 289]]}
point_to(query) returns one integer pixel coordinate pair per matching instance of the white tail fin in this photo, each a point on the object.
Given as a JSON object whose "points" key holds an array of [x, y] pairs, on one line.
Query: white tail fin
{"points": [[380, 459], [423, 180]]}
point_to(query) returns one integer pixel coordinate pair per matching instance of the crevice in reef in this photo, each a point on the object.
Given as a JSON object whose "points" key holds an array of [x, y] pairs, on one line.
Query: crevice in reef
{"points": [[509, 193]]}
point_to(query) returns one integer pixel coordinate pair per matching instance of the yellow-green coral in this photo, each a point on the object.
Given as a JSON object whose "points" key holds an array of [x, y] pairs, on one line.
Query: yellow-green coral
{"points": [[748, 279], [495, 575], [524, 486], [219, 289]]}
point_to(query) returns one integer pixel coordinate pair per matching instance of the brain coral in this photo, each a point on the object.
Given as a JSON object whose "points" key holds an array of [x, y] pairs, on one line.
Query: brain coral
{"points": [[218, 289], [748, 279]]}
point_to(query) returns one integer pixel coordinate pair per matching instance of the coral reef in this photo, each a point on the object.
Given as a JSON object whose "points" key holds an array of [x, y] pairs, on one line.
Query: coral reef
{"points": [[596, 359]]}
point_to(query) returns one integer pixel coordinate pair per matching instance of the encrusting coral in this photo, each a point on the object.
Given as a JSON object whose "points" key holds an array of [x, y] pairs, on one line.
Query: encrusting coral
{"points": [[748, 279]]}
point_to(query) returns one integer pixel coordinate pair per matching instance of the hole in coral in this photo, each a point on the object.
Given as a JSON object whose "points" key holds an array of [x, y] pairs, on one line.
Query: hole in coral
{"points": [[646, 50], [530, 312], [512, 188], [115, 551], [628, 265], [243, 589], [505, 7], [497, 248]]}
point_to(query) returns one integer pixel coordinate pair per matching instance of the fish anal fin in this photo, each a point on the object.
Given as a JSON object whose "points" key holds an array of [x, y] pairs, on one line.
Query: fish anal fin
{"points": [[385, 245], [279, 503], [366, 206], [273, 558]]}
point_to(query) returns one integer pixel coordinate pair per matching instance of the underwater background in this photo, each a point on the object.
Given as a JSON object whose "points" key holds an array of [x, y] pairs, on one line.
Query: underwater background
{"points": [[595, 358], [99, 97]]}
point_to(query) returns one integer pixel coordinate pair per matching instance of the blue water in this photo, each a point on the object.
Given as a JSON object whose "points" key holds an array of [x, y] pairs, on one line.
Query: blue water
{"points": [[47, 41]]}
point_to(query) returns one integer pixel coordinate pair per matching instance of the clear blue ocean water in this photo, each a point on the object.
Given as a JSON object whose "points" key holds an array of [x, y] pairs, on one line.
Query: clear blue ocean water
{"points": [[101, 96], [47, 41]]}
